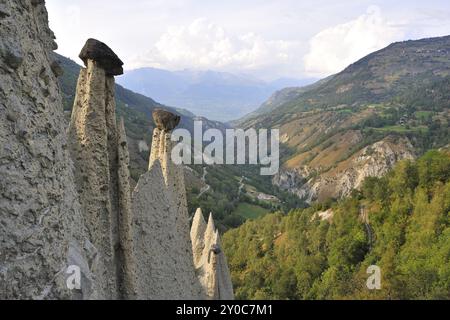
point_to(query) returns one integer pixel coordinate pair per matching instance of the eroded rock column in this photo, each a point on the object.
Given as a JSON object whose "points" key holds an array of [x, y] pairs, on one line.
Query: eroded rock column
{"points": [[101, 159], [210, 261], [198, 229], [41, 226], [162, 244]]}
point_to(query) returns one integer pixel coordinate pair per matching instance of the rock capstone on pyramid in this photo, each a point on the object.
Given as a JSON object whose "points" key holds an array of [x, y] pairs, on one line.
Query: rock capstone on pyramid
{"points": [[165, 120], [106, 58]]}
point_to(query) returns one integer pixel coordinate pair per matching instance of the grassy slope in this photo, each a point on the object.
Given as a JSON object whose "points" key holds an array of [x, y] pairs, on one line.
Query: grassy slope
{"points": [[250, 211]]}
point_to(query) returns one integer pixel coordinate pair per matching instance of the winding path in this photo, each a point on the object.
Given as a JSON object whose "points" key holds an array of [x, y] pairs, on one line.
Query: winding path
{"points": [[241, 185], [207, 187]]}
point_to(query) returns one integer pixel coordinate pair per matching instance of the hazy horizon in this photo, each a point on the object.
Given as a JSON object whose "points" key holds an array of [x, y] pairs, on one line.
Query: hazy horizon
{"points": [[265, 39]]}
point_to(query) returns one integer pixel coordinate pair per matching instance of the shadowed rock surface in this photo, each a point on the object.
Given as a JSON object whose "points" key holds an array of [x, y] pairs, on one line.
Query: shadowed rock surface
{"points": [[41, 226]]}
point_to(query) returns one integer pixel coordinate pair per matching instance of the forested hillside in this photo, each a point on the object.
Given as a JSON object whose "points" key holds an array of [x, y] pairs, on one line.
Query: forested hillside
{"points": [[400, 222]]}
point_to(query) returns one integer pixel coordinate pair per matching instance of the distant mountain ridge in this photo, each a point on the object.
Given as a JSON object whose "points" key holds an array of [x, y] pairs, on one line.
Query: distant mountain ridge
{"points": [[379, 76], [278, 99], [214, 95]]}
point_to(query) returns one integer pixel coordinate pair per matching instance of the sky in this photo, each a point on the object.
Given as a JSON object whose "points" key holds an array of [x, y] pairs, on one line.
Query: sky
{"points": [[266, 39]]}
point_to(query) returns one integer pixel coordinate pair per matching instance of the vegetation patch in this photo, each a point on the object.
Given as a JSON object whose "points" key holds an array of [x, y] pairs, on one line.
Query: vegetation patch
{"points": [[250, 211]]}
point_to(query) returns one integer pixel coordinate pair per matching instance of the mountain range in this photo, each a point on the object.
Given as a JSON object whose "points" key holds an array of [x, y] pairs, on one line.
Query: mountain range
{"points": [[215, 95], [392, 104]]}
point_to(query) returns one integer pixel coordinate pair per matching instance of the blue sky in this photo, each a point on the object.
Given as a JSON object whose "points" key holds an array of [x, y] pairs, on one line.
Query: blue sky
{"points": [[266, 39]]}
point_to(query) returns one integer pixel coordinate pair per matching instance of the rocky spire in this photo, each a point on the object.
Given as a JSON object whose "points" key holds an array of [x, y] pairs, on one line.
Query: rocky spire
{"points": [[173, 174], [211, 264], [162, 245], [101, 167], [197, 235]]}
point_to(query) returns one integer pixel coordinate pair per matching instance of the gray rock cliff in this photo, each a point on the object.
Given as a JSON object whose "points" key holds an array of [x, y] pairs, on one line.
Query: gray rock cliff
{"points": [[41, 223]]}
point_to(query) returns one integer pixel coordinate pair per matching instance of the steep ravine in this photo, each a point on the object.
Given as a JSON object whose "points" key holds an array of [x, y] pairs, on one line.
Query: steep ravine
{"points": [[374, 160]]}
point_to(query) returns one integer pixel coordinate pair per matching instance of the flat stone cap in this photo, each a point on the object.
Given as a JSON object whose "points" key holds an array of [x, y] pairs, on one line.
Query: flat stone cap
{"points": [[165, 120], [103, 55]]}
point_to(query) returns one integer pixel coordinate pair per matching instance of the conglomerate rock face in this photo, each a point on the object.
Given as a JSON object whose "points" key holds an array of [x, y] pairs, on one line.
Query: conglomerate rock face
{"points": [[41, 225], [127, 267]]}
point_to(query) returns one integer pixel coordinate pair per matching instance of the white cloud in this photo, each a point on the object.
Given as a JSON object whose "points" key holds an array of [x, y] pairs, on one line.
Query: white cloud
{"points": [[267, 39], [333, 49], [206, 45]]}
